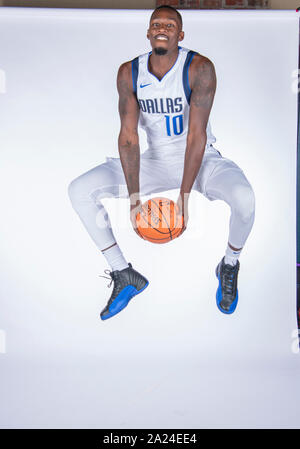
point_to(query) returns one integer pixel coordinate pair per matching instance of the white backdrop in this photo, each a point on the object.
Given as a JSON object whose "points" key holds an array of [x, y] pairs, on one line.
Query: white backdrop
{"points": [[170, 359]]}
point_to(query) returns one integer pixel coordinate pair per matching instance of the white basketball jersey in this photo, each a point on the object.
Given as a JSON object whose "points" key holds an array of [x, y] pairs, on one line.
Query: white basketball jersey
{"points": [[165, 104]]}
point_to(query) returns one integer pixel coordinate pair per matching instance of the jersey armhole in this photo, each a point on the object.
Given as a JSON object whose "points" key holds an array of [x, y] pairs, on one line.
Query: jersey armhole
{"points": [[185, 75], [135, 72]]}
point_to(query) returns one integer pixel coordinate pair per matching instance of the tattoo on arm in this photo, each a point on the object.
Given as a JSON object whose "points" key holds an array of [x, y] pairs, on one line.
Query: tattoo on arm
{"points": [[124, 93], [204, 85], [130, 160]]}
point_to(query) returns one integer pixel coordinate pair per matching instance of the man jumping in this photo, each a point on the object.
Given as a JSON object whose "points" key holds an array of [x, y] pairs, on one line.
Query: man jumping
{"points": [[169, 92]]}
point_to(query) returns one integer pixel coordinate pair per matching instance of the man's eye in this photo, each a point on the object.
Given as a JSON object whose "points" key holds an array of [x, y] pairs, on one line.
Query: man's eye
{"points": [[170, 25]]}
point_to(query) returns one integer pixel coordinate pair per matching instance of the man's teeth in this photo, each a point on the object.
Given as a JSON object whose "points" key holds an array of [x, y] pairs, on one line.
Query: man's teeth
{"points": [[162, 38]]}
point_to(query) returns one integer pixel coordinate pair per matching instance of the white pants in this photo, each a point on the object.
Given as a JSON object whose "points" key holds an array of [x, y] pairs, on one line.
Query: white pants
{"points": [[218, 178]]}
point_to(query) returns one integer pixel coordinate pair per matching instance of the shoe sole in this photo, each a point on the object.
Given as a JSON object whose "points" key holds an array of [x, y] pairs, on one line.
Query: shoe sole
{"points": [[122, 300], [219, 299]]}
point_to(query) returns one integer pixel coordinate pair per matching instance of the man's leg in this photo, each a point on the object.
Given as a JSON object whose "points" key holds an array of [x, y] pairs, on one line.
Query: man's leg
{"points": [[104, 181], [232, 186], [86, 193], [228, 183]]}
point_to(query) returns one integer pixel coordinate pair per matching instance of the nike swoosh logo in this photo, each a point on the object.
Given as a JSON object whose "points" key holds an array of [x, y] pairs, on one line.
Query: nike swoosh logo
{"points": [[144, 85]]}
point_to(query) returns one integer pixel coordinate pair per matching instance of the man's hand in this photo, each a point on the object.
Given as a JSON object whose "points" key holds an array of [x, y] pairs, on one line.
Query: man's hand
{"points": [[182, 205], [135, 207]]}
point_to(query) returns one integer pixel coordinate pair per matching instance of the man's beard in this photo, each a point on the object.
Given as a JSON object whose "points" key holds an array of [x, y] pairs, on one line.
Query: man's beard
{"points": [[160, 51]]}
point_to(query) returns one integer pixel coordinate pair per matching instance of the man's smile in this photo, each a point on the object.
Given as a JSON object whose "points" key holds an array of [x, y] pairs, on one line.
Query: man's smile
{"points": [[161, 37]]}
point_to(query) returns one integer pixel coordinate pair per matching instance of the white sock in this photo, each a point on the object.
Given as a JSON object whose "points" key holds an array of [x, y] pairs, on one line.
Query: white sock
{"points": [[115, 258], [231, 256]]}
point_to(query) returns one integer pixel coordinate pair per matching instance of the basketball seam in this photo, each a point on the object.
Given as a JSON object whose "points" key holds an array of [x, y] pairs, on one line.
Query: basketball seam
{"points": [[149, 226], [163, 217], [171, 235]]}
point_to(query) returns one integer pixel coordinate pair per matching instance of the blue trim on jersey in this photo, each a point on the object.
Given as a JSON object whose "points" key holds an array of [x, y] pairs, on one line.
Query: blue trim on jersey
{"points": [[185, 75], [135, 72]]}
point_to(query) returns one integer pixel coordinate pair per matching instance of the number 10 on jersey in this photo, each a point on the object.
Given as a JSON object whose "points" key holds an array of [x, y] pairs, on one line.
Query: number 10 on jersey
{"points": [[174, 125]]}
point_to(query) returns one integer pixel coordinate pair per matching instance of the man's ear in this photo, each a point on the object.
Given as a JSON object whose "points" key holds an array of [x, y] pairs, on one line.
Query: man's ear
{"points": [[181, 36], [148, 34]]}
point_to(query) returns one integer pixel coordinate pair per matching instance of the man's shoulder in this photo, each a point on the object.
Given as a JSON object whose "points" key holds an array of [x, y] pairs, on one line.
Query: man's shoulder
{"points": [[201, 66], [202, 70], [127, 64], [126, 68], [199, 60], [125, 71]]}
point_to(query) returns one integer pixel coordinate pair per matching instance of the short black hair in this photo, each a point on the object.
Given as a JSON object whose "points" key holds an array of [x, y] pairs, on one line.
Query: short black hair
{"points": [[172, 9]]}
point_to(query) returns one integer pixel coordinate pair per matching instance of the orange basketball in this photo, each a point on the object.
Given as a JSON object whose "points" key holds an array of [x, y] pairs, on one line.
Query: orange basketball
{"points": [[159, 220]]}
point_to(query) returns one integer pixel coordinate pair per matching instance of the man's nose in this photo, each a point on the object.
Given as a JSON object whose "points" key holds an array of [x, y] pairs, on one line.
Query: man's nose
{"points": [[163, 27]]}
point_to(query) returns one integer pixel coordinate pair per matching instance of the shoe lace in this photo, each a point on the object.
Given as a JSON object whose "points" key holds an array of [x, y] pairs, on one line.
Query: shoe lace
{"points": [[113, 277], [106, 277], [228, 280]]}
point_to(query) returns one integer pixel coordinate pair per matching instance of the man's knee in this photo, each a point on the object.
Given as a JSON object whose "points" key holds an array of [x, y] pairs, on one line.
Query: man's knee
{"points": [[80, 189], [94, 185], [243, 201]]}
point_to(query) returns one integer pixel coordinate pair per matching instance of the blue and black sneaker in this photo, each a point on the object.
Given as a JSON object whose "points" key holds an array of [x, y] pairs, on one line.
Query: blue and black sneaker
{"points": [[227, 293], [127, 284]]}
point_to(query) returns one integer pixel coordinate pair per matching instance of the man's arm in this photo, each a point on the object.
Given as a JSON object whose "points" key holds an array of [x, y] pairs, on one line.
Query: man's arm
{"points": [[203, 87], [129, 148]]}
